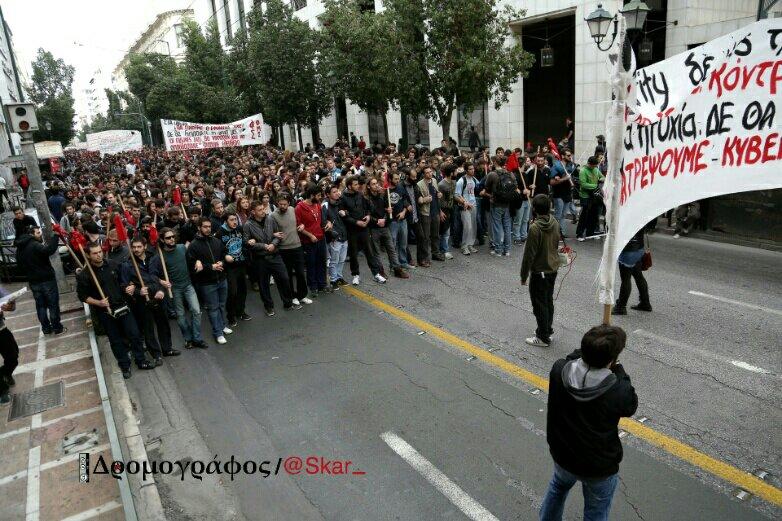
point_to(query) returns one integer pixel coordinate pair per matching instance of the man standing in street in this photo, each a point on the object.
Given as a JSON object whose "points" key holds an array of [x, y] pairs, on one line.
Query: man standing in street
{"points": [[503, 189], [263, 236], [337, 238], [309, 217], [174, 256], [401, 206], [356, 219], [589, 392], [207, 269], [539, 265], [235, 271], [121, 328], [290, 248], [446, 186], [33, 256], [380, 221], [562, 186], [429, 217]]}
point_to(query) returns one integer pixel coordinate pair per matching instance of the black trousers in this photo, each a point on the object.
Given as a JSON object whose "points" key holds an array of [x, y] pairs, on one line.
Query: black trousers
{"points": [[589, 218], [237, 292], [151, 318], [273, 266], [10, 353], [541, 292], [428, 238], [294, 263], [121, 332], [624, 290], [358, 240]]}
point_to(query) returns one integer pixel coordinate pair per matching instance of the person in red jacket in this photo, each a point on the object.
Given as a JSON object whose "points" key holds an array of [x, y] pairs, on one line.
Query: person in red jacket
{"points": [[309, 222]]}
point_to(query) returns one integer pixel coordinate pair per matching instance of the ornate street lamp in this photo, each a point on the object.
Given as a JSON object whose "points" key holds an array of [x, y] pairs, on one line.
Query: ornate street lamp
{"points": [[599, 21]]}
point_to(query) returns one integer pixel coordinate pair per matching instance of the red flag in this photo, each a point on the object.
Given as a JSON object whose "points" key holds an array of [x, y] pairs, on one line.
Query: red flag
{"points": [[129, 218], [122, 232], [176, 196], [385, 181], [513, 163], [78, 240], [553, 148], [59, 231], [153, 236]]}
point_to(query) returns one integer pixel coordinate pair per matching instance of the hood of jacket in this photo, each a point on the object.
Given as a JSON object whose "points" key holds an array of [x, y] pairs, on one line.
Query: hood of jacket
{"points": [[585, 383], [544, 222], [23, 240]]}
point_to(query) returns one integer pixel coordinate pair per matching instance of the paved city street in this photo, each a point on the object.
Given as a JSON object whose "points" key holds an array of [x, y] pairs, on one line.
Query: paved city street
{"points": [[368, 388]]}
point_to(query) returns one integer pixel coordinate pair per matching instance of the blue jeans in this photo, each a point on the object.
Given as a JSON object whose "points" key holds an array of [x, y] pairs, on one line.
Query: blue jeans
{"points": [[315, 255], [47, 305], [214, 297], [399, 236], [521, 222], [338, 252], [598, 494], [501, 229], [559, 213], [191, 329]]}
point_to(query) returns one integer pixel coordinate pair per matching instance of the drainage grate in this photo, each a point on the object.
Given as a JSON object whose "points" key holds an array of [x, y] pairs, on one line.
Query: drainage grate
{"points": [[36, 400]]}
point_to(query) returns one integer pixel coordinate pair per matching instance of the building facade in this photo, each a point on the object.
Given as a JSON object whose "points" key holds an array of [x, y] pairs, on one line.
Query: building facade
{"points": [[10, 92], [163, 36]]}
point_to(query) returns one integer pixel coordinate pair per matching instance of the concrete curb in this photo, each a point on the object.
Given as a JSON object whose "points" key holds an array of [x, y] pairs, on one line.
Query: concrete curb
{"points": [[146, 498]]}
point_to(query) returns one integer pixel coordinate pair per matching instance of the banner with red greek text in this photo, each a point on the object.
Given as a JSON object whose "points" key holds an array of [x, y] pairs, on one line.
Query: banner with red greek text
{"points": [[182, 135], [701, 124]]}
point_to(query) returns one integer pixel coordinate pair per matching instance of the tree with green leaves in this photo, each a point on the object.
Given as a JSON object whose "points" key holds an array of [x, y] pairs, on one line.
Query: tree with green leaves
{"points": [[356, 56], [452, 53], [50, 89], [283, 51], [113, 119]]}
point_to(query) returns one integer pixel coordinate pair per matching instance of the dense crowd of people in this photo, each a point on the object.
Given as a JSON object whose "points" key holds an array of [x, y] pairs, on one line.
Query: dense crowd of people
{"points": [[155, 236]]}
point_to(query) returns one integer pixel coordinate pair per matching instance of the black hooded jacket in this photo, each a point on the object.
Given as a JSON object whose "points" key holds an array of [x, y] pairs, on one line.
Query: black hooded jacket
{"points": [[584, 408], [33, 257]]}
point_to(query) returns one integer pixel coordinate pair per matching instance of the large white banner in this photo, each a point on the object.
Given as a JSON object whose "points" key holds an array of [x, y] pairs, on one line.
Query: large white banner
{"points": [[183, 135], [701, 124], [114, 141]]}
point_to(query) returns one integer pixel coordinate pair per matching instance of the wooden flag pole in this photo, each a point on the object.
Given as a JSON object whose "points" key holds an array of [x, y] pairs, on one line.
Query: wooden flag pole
{"points": [[73, 254], [390, 208], [135, 265], [165, 269], [606, 314]]}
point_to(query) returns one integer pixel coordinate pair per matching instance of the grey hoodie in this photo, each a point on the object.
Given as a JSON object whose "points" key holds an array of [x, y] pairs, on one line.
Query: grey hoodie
{"points": [[585, 383]]}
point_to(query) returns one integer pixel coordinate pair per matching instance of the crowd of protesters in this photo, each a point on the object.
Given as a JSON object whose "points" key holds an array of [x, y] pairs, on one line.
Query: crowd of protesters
{"points": [[156, 236]]}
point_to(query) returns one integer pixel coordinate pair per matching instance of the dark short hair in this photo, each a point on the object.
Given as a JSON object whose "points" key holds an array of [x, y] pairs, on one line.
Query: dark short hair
{"points": [[500, 160], [164, 230], [593, 161], [16, 209], [602, 344], [254, 205], [138, 239], [91, 246], [203, 220], [541, 204]]}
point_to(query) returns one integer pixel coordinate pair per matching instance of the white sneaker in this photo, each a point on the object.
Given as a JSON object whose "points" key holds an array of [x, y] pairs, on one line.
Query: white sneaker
{"points": [[227, 330], [465, 251], [221, 340], [380, 279], [271, 281], [306, 300], [536, 342], [356, 280], [473, 249], [676, 236], [507, 254], [448, 255], [296, 302]]}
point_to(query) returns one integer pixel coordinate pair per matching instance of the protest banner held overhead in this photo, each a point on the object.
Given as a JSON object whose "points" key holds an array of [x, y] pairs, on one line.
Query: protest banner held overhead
{"points": [[183, 135], [114, 141], [700, 124]]}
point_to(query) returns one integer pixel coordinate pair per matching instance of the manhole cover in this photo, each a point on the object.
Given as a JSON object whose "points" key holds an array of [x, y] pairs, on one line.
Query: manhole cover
{"points": [[36, 400]]}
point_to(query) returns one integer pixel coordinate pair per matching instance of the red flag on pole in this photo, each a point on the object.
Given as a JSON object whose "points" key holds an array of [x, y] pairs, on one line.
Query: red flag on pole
{"points": [[513, 163], [176, 196], [60, 231], [153, 236], [129, 218], [122, 232], [553, 148], [78, 240]]}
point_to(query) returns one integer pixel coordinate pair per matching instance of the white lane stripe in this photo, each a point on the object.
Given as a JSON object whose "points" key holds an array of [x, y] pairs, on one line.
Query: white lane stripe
{"points": [[703, 352], [440, 481], [38, 326], [93, 512], [33, 484], [51, 422], [54, 463], [69, 335], [49, 362], [79, 382], [736, 302]]}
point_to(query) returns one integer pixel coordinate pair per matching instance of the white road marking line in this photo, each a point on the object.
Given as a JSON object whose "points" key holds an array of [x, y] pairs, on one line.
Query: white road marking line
{"points": [[38, 326], [54, 463], [49, 362], [79, 382], [71, 416], [440, 481], [736, 302], [69, 335], [33, 484], [93, 512], [703, 352]]}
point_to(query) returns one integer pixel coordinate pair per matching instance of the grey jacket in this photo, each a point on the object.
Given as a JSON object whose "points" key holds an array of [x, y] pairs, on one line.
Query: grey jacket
{"points": [[263, 233]]}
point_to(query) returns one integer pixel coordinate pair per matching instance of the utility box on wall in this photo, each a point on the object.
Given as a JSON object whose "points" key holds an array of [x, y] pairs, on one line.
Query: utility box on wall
{"points": [[21, 117]]}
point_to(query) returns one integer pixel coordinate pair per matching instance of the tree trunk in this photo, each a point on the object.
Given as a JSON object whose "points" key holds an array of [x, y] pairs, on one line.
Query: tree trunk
{"points": [[282, 137], [385, 128], [298, 132], [445, 123]]}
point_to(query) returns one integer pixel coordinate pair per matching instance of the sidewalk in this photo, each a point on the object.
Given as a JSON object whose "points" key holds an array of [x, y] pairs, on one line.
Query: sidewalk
{"points": [[39, 454]]}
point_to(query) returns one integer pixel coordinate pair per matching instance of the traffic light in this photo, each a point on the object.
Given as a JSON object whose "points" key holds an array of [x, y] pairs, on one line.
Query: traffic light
{"points": [[21, 117]]}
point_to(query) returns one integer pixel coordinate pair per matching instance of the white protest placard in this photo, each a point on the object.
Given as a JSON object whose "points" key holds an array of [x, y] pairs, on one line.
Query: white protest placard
{"points": [[47, 149], [183, 135], [114, 141], [700, 124]]}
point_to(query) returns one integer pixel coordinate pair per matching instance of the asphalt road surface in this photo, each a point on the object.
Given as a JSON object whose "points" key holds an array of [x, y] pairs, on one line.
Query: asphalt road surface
{"points": [[437, 435]]}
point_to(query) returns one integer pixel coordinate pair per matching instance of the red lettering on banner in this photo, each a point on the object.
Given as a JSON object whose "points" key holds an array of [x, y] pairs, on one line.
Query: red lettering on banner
{"points": [[728, 79], [751, 149]]}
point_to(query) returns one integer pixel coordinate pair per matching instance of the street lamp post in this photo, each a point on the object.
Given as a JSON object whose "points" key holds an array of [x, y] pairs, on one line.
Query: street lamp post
{"points": [[600, 21], [48, 126]]}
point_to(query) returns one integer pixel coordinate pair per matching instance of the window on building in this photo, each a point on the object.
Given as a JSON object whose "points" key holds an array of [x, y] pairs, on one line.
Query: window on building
{"points": [[476, 118], [377, 132], [298, 4], [228, 29], [240, 9], [417, 131], [179, 31]]}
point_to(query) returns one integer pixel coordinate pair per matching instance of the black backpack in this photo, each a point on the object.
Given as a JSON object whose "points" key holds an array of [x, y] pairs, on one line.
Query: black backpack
{"points": [[505, 191]]}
